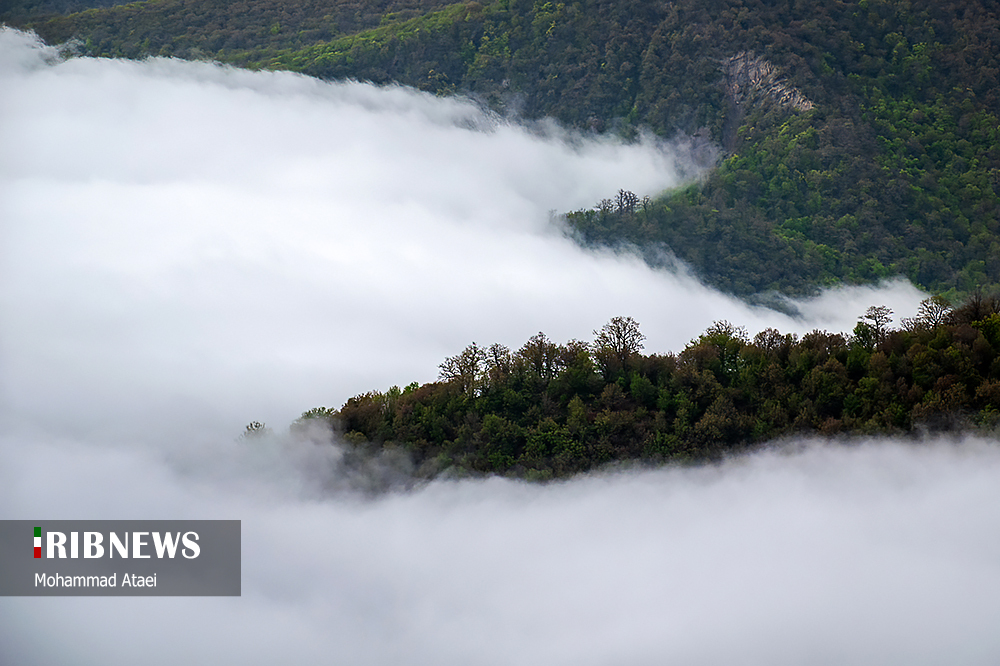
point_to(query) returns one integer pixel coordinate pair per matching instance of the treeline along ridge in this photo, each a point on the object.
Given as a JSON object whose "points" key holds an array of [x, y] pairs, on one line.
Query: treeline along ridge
{"points": [[548, 410]]}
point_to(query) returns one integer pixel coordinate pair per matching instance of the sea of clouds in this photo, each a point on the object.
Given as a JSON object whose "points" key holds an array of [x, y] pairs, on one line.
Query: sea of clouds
{"points": [[186, 247]]}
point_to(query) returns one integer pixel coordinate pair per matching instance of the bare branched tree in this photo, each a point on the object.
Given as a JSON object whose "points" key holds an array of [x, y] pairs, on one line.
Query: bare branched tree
{"points": [[978, 306], [771, 340], [540, 355], [878, 317], [626, 202], [617, 340], [727, 329], [466, 369], [499, 364], [933, 312]]}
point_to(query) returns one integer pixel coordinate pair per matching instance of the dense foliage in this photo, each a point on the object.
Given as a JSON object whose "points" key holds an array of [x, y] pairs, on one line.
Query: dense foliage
{"points": [[549, 410], [860, 137], [19, 12]]}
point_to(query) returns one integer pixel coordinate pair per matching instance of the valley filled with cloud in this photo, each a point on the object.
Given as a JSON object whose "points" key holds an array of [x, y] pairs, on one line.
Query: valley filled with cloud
{"points": [[185, 248]]}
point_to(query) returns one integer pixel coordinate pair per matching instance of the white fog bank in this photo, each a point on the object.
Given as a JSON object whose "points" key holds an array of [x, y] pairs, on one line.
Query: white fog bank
{"points": [[185, 248], [876, 552]]}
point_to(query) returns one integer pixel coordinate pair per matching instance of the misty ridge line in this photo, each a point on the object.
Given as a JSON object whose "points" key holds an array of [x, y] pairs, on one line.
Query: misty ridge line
{"points": [[552, 410], [209, 73], [604, 277]]}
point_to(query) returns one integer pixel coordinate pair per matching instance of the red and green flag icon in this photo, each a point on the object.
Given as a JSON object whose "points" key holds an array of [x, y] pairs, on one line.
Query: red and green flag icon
{"points": [[38, 542]]}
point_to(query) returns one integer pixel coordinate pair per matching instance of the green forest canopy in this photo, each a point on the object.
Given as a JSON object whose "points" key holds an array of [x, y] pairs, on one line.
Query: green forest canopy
{"points": [[548, 410], [861, 138]]}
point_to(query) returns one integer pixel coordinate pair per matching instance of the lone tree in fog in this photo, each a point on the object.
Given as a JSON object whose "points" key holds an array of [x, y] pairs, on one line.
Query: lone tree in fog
{"points": [[255, 430], [616, 341]]}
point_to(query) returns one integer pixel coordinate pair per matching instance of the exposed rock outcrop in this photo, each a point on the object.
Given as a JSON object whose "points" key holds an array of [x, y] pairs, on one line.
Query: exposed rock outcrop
{"points": [[750, 82], [750, 79]]}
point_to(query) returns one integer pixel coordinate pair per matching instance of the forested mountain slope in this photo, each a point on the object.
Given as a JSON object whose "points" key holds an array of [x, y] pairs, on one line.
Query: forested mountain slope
{"points": [[860, 139]]}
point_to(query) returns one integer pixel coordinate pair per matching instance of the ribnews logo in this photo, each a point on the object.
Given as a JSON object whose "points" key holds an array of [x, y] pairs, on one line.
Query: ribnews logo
{"points": [[164, 543], [120, 558]]}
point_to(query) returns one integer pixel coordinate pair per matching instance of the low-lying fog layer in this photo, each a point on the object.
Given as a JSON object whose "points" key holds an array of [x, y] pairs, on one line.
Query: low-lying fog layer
{"points": [[876, 553], [186, 248]]}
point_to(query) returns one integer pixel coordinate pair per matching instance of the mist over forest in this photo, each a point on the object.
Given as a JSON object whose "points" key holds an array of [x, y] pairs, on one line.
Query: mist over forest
{"points": [[187, 247]]}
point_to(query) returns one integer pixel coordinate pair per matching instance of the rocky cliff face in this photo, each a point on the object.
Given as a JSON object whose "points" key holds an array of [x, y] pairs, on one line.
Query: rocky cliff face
{"points": [[751, 81]]}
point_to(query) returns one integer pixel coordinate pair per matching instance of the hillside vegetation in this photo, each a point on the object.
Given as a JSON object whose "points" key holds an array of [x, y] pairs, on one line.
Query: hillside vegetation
{"points": [[860, 139], [549, 410]]}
